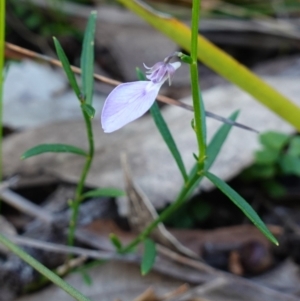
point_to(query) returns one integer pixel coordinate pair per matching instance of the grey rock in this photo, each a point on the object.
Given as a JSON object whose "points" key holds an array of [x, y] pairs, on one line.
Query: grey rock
{"points": [[153, 167]]}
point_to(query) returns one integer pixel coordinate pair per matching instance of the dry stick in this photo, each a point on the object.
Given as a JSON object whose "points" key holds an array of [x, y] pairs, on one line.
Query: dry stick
{"points": [[25, 206], [204, 288], [34, 243], [22, 204], [222, 278], [178, 291], [200, 266], [36, 56]]}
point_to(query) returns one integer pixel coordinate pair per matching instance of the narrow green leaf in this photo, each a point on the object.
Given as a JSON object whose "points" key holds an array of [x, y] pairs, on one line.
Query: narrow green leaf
{"points": [[89, 110], [218, 140], [214, 148], [203, 122], [2, 77], [148, 256], [242, 204], [87, 279], [168, 138], [87, 58], [140, 74], [53, 148], [66, 65], [164, 131], [116, 241], [110, 192], [42, 269]]}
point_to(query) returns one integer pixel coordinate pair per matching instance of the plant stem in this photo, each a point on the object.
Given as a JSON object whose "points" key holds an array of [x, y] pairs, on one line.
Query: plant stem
{"points": [[79, 190], [199, 115], [42, 269], [200, 129], [2, 42], [167, 212]]}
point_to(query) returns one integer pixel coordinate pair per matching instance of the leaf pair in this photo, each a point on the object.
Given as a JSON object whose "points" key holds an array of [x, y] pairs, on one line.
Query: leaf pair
{"points": [[84, 96], [87, 67], [213, 150]]}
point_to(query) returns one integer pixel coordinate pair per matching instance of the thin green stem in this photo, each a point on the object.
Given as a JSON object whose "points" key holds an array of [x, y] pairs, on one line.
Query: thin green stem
{"points": [[199, 116], [167, 212], [79, 190], [42, 269], [200, 130], [2, 42]]}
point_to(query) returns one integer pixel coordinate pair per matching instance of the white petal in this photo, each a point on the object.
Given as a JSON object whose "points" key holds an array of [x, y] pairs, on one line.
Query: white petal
{"points": [[126, 103], [176, 65]]}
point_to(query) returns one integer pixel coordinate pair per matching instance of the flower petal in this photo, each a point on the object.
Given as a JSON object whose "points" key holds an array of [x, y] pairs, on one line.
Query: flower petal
{"points": [[175, 65], [126, 103]]}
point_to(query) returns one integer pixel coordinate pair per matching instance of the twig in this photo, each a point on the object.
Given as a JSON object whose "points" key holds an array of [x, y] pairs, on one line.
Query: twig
{"points": [[25, 206], [175, 293], [36, 56], [201, 290], [29, 242], [198, 265], [71, 264]]}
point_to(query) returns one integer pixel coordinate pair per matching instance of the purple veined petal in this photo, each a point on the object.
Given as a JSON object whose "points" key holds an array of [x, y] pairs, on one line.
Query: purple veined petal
{"points": [[160, 72], [154, 67], [126, 103]]}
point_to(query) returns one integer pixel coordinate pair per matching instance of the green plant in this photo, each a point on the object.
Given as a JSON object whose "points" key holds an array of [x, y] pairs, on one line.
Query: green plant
{"points": [[123, 102], [279, 156], [204, 158], [2, 41], [85, 97]]}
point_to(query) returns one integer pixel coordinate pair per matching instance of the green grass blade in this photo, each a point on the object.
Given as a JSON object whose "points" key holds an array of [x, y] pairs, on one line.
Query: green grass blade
{"points": [[164, 131], [220, 62], [203, 122], [43, 270], [218, 140], [2, 50], [109, 192], [148, 256], [242, 204], [214, 148], [168, 138], [87, 58], [53, 148], [115, 240], [66, 65]]}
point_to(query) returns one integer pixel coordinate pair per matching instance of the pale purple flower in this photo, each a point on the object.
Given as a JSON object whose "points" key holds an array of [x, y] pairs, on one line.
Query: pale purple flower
{"points": [[130, 101]]}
